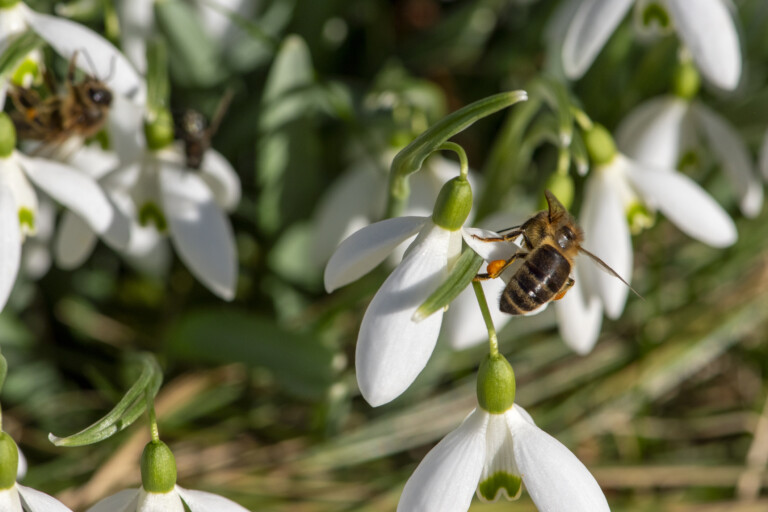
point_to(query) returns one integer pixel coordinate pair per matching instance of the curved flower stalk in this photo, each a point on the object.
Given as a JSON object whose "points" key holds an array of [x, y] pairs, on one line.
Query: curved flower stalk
{"points": [[494, 452], [620, 195], [661, 130], [68, 38], [706, 27], [393, 348], [140, 500]]}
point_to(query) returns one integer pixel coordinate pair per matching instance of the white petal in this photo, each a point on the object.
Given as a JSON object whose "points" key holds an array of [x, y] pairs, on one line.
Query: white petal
{"points": [[500, 457], [37, 501], [35, 258], [123, 501], [78, 193], [199, 501], [125, 126], [94, 161], [579, 318], [489, 251], [9, 499], [553, 476], [734, 157], [652, 133], [447, 477], [10, 244], [392, 349], [219, 174], [709, 33], [516, 409], [365, 249], [463, 324], [764, 157], [199, 230], [68, 37], [75, 241], [685, 203], [14, 179], [606, 234], [156, 502], [136, 25], [349, 204], [592, 25], [21, 471]]}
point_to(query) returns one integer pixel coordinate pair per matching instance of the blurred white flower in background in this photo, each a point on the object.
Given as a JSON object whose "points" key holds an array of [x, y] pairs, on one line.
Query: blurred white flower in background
{"points": [[494, 454], [706, 27]]}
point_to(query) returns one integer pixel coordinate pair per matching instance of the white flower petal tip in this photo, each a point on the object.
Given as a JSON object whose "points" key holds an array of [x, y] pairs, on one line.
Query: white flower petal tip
{"points": [[447, 477], [199, 230], [74, 242], [589, 30], [579, 319], [199, 501], [10, 244], [476, 239], [653, 132], [709, 32], [367, 248], [95, 55], [392, 349], [36, 501], [222, 178], [686, 204]]}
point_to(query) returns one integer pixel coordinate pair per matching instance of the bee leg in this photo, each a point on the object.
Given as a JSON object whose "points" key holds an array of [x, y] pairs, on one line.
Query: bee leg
{"points": [[565, 289], [496, 267], [504, 238]]}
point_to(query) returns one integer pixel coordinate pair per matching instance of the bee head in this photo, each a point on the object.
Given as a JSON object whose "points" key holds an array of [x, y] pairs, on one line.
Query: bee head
{"points": [[99, 94]]}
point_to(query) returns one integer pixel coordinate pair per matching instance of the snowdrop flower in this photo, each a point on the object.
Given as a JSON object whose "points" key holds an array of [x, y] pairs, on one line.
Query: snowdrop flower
{"points": [[659, 131], [159, 492], [706, 27], [392, 348], [19, 202], [620, 194], [496, 450], [67, 38], [15, 497]]}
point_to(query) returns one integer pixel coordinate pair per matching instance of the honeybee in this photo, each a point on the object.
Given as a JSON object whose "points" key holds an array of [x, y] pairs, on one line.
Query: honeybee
{"points": [[196, 134], [81, 110], [553, 240]]}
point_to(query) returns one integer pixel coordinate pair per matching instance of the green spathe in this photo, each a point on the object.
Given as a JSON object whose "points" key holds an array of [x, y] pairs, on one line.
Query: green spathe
{"points": [[9, 461], [7, 135], [158, 468], [489, 488], [159, 131], [686, 81], [600, 144], [495, 384], [453, 204]]}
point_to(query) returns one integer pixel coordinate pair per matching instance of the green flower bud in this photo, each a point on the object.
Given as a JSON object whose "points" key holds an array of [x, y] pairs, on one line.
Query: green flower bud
{"points": [[453, 204], [9, 461], [495, 384], [159, 130], [600, 144], [686, 81], [158, 468], [6, 4], [561, 185], [7, 135]]}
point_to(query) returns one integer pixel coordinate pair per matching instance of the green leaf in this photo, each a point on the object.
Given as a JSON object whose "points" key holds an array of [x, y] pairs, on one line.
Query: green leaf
{"points": [[130, 407], [291, 70], [461, 275], [556, 96], [17, 52], [299, 362], [158, 86]]}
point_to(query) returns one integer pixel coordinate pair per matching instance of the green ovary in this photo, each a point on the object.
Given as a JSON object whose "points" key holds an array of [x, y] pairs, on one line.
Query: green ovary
{"points": [[655, 12], [27, 220], [150, 213], [501, 481]]}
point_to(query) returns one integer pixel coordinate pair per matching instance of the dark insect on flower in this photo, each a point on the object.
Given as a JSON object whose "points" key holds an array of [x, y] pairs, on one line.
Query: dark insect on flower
{"points": [[196, 134]]}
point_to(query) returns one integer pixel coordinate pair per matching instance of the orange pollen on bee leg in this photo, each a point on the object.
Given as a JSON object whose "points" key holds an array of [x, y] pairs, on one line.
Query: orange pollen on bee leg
{"points": [[496, 267], [30, 114], [562, 293]]}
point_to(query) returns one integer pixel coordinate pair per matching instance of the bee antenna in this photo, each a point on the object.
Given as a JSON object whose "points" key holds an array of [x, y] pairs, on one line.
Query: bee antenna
{"points": [[509, 229], [112, 68], [604, 266], [91, 64]]}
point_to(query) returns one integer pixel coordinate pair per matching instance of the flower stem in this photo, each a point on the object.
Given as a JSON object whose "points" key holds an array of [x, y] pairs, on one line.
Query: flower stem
{"points": [[581, 117], [492, 340], [464, 165], [152, 418]]}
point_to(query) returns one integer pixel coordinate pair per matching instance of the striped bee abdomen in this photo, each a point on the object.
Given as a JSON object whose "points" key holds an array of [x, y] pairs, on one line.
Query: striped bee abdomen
{"points": [[543, 273]]}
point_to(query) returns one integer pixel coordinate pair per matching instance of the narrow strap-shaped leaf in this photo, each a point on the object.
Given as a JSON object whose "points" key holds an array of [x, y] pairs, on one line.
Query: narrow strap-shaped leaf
{"points": [[158, 86], [130, 407], [556, 96], [461, 275], [17, 51]]}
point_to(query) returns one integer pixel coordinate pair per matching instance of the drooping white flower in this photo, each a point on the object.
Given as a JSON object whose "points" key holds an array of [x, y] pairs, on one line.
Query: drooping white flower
{"points": [[393, 348], [19, 498], [660, 131], [706, 27], [493, 454], [139, 500]]}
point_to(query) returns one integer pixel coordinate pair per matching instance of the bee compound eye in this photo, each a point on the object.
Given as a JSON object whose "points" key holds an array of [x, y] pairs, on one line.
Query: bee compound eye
{"points": [[565, 237], [100, 96]]}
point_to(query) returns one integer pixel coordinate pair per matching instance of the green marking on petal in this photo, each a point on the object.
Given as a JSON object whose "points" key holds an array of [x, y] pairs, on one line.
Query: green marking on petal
{"points": [[498, 484], [28, 67], [639, 217], [150, 213], [655, 12], [27, 219]]}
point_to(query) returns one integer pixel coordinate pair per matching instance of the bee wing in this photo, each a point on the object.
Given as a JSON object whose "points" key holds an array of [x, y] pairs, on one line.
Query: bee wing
{"points": [[605, 268]]}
